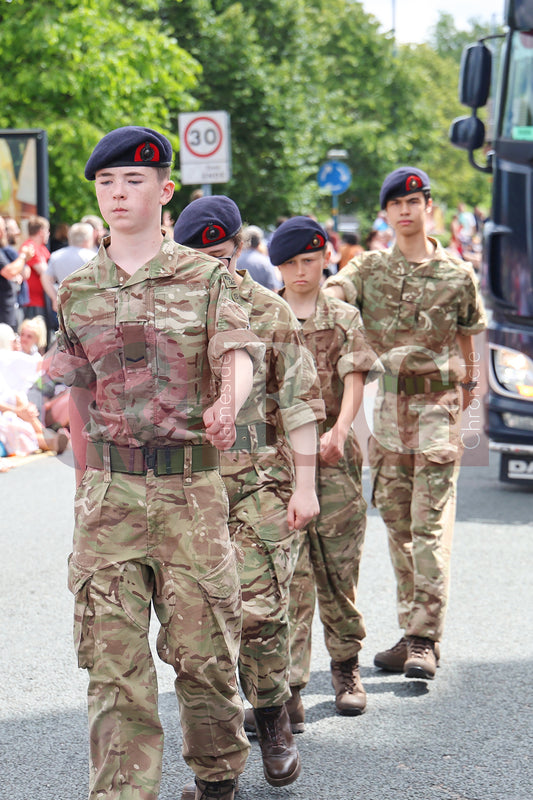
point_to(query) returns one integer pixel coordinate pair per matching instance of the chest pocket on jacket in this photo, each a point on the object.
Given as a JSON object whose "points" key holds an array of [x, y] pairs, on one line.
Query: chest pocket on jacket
{"points": [[410, 303]]}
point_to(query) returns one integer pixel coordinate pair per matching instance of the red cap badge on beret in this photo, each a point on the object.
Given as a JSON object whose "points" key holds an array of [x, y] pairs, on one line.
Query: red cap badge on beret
{"points": [[147, 152], [316, 242], [413, 183], [212, 234]]}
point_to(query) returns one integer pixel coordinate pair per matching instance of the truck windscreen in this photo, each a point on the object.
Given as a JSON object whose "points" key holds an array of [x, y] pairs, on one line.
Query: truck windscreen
{"points": [[518, 114]]}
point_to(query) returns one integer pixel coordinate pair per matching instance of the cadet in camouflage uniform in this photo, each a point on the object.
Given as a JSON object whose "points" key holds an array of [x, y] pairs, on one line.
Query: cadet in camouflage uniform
{"points": [[269, 500], [420, 307], [145, 329], [332, 545]]}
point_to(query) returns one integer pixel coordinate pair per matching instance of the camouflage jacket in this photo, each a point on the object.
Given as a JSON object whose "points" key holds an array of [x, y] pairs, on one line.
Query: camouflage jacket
{"points": [[413, 312], [336, 338], [151, 346], [286, 385]]}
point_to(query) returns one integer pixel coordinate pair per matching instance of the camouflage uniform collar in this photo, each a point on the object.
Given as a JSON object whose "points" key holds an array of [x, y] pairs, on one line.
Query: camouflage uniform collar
{"points": [[247, 286], [439, 254], [106, 273], [322, 318]]}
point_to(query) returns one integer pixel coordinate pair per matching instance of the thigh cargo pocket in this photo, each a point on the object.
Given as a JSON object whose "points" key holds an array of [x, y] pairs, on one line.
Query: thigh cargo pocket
{"points": [[84, 614], [221, 588]]}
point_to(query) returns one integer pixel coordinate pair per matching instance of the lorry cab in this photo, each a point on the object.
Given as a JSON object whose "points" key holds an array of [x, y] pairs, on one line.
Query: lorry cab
{"points": [[503, 76]]}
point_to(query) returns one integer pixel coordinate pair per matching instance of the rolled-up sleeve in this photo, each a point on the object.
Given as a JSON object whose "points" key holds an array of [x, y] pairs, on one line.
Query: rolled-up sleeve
{"points": [[229, 326], [471, 317], [299, 397], [356, 355], [349, 280], [69, 363]]}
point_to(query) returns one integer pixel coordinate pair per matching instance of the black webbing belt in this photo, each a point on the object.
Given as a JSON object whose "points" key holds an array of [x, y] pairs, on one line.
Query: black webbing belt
{"points": [[250, 437], [414, 384], [163, 460]]}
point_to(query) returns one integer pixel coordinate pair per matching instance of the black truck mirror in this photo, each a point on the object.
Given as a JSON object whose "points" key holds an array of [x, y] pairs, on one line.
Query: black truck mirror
{"points": [[474, 81]]}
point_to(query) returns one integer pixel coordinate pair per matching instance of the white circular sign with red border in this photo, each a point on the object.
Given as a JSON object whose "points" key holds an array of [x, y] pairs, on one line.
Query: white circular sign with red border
{"points": [[205, 147], [203, 137]]}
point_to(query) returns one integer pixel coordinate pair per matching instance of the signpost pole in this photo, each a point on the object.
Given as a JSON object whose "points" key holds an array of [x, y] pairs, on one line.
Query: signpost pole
{"points": [[335, 177], [335, 210]]}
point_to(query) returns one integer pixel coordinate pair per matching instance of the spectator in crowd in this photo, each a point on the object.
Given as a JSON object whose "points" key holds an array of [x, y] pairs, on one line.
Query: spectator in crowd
{"points": [[381, 224], [21, 430], [375, 241], [32, 337], [50, 397], [13, 270], [59, 237], [333, 235], [349, 248], [467, 221], [195, 194], [99, 229], [253, 258], [39, 231], [13, 232], [68, 259], [480, 218], [279, 221]]}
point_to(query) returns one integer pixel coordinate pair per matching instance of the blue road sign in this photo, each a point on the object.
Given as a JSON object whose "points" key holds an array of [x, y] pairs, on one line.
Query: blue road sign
{"points": [[335, 176]]}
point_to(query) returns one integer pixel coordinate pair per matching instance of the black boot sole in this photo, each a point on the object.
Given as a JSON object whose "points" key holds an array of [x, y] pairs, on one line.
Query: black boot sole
{"points": [[418, 672]]}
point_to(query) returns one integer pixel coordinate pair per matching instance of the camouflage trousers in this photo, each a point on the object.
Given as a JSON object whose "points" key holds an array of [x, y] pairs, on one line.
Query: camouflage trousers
{"points": [[328, 567], [416, 497], [143, 541], [259, 487]]}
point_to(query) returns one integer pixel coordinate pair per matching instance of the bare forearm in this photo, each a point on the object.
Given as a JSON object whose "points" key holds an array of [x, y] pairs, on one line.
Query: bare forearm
{"points": [[352, 397], [79, 402], [466, 345], [236, 385], [332, 442], [304, 445], [49, 288]]}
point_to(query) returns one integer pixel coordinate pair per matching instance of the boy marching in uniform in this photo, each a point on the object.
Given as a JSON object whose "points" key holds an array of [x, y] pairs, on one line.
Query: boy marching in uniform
{"points": [[271, 485], [421, 308], [145, 329], [331, 547]]}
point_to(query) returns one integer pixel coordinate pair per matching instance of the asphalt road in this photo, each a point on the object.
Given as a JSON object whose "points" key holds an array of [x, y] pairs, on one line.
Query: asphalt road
{"points": [[467, 735]]}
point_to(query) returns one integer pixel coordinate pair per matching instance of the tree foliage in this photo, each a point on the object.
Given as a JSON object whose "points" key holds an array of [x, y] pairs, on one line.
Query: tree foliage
{"points": [[298, 78], [81, 69]]}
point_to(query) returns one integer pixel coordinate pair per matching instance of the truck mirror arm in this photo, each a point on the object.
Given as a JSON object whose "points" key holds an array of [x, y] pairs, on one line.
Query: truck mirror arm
{"points": [[482, 168]]}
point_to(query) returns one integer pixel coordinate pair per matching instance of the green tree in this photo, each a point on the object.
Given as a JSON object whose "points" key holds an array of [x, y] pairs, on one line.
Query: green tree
{"points": [[446, 40], [253, 58], [298, 78], [80, 69], [393, 105]]}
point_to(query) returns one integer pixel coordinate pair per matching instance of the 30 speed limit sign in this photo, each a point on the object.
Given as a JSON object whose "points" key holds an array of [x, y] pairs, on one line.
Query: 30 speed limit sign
{"points": [[205, 147]]}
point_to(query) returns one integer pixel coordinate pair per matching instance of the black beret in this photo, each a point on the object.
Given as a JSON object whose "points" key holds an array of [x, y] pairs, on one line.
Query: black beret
{"points": [[131, 146], [296, 235], [207, 221], [401, 182]]}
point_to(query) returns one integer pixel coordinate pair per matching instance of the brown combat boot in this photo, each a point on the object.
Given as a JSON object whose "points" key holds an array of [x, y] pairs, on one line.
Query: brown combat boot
{"points": [[422, 658], [294, 706], [392, 660], [189, 790], [350, 695], [281, 761], [296, 710]]}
